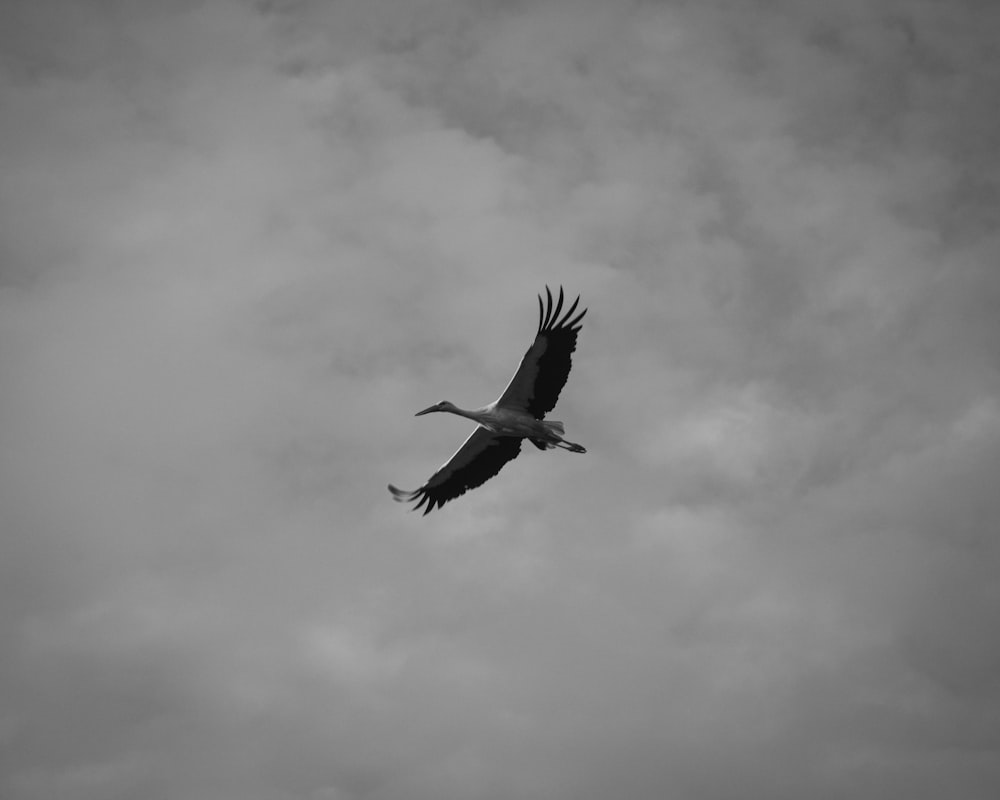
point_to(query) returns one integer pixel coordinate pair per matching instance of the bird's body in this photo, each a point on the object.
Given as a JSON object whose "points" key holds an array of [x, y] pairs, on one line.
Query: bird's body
{"points": [[505, 421], [516, 415]]}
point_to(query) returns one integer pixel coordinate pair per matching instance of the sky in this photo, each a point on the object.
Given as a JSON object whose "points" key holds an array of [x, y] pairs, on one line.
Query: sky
{"points": [[242, 243]]}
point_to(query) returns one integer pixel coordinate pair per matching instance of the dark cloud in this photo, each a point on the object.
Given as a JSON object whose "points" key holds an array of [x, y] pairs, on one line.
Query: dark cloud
{"points": [[242, 243]]}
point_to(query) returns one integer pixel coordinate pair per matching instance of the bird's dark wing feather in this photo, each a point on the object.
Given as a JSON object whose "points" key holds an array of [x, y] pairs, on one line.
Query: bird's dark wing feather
{"points": [[480, 458], [545, 367]]}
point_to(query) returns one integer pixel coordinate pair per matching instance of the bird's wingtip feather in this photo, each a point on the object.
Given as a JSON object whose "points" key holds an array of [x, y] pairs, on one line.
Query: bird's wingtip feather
{"points": [[400, 495], [559, 305]]}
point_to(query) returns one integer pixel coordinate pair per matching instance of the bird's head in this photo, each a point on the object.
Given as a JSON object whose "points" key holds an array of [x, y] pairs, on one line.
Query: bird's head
{"points": [[444, 405]]}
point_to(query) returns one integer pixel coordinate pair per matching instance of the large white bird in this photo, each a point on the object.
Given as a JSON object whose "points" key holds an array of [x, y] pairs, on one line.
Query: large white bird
{"points": [[517, 414]]}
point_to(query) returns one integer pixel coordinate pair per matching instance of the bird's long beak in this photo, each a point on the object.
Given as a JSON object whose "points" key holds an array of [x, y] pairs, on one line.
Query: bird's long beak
{"points": [[426, 411]]}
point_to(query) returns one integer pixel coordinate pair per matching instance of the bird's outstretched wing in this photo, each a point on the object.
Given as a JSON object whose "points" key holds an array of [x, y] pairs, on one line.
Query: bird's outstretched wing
{"points": [[543, 371], [480, 458]]}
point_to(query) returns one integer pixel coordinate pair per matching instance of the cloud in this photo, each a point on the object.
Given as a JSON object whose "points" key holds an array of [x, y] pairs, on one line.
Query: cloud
{"points": [[243, 243]]}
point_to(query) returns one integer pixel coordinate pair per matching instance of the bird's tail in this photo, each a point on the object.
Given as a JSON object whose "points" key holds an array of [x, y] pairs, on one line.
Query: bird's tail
{"points": [[557, 430]]}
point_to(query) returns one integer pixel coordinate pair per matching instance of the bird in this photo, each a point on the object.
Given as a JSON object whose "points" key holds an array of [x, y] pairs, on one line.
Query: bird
{"points": [[518, 414]]}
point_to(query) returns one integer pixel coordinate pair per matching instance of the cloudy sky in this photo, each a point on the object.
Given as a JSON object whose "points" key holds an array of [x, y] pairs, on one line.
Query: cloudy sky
{"points": [[241, 244]]}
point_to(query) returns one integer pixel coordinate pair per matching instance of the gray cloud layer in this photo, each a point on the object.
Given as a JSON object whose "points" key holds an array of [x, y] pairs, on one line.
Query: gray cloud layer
{"points": [[241, 244]]}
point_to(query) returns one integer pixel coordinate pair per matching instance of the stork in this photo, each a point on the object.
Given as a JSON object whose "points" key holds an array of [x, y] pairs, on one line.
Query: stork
{"points": [[518, 414]]}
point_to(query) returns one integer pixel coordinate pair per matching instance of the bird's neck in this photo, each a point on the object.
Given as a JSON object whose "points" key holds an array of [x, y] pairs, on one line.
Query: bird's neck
{"points": [[476, 414]]}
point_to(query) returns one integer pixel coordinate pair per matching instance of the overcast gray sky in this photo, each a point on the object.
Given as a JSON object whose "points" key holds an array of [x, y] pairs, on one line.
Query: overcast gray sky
{"points": [[241, 244]]}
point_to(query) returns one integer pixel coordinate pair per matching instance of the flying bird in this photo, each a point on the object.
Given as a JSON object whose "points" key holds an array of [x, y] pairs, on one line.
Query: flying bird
{"points": [[518, 414]]}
